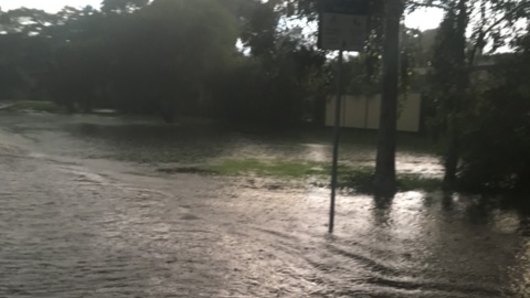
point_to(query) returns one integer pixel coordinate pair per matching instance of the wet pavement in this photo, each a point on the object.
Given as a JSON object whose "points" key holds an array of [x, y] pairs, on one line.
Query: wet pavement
{"points": [[85, 214]]}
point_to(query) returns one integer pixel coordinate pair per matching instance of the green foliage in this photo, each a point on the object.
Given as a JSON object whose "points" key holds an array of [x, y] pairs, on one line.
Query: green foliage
{"points": [[280, 169], [448, 78], [280, 93], [359, 179], [411, 182], [25, 21], [454, 93], [122, 6], [280, 81], [24, 52], [193, 40], [496, 143], [260, 28], [165, 57]]}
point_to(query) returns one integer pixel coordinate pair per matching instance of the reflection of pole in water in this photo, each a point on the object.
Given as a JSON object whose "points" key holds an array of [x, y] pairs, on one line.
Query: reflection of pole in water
{"points": [[381, 210], [336, 139]]}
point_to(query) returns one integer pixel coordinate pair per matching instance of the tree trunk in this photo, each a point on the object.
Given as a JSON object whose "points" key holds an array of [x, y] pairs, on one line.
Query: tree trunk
{"points": [[385, 170], [461, 84], [451, 156]]}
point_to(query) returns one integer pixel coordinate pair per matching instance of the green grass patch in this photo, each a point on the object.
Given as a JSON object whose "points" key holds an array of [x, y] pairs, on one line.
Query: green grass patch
{"points": [[280, 169], [36, 105], [408, 182], [359, 179]]}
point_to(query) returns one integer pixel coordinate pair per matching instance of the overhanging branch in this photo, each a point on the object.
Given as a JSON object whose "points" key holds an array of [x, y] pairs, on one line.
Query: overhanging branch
{"points": [[427, 4]]}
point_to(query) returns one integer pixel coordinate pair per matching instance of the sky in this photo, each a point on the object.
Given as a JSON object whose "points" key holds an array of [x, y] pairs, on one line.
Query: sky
{"points": [[421, 19], [48, 5]]}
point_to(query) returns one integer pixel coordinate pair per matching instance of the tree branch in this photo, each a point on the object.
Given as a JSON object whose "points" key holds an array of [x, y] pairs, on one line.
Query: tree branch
{"points": [[482, 34], [427, 4], [506, 15]]}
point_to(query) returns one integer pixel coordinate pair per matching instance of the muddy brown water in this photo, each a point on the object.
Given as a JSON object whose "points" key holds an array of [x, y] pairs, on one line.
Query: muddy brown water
{"points": [[85, 214]]}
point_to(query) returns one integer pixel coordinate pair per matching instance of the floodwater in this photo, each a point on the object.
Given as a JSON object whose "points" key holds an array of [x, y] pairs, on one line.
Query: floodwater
{"points": [[85, 213]]}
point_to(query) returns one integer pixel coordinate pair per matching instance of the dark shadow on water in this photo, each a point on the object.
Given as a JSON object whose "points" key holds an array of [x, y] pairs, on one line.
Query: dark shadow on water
{"points": [[447, 201]]}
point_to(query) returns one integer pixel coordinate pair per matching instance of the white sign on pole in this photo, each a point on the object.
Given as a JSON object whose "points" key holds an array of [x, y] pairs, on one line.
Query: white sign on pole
{"points": [[342, 31]]}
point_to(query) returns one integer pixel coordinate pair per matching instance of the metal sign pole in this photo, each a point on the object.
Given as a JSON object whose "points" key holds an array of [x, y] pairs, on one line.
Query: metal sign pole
{"points": [[336, 139], [342, 25]]}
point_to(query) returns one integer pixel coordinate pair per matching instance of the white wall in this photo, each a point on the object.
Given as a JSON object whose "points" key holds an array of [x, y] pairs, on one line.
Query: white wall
{"points": [[363, 112]]}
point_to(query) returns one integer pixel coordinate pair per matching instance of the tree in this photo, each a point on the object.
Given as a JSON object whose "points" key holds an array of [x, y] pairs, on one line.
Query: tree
{"points": [[192, 38], [455, 56], [451, 79], [385, 171], [76, 64], [496, 141], [122, 6], [278, 82], [25, 50]]}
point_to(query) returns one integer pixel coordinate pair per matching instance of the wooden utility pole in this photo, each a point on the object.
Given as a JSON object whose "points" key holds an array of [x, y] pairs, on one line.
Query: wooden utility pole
{"points": [[385, 170]]}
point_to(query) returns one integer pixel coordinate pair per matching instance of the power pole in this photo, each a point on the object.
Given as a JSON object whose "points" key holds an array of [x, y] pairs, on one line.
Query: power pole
{"points": [[385, 170]]}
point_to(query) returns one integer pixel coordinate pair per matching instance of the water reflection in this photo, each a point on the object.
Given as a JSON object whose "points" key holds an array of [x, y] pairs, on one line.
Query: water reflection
{"points": [[442, 244]]}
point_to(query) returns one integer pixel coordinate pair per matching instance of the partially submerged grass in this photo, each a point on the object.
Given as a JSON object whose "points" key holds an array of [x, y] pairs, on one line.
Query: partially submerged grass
{"points": [[35, 105], [280, 169], [358, 179], [408, 182], [361, 181]]}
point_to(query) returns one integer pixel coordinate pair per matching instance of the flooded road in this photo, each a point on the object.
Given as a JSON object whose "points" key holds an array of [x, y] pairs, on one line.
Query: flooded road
{"points": [[85, 214]]}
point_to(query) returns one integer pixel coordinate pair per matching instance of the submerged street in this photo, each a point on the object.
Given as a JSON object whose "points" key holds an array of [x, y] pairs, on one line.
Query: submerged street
{"points": [[87, 213]]}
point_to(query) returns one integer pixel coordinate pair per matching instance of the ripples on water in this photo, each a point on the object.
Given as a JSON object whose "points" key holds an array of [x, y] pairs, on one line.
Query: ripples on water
{"points": [[76, 227]]}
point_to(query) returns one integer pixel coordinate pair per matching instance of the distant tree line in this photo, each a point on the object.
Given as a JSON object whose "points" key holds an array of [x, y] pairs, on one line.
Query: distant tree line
{"points": [[167, 57]]}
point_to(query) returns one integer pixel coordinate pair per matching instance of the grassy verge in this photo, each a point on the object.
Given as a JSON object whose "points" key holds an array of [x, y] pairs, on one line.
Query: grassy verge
{"points": [[279, 169], [359, 179], [36, 105]]}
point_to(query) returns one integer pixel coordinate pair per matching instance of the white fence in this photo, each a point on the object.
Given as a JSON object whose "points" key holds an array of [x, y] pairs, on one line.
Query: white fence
{"points": [[363, 112]]}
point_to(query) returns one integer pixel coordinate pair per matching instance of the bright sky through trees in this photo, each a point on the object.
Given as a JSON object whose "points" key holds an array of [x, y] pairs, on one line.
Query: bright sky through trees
{"points": [[422, 19], [48, 5]]}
